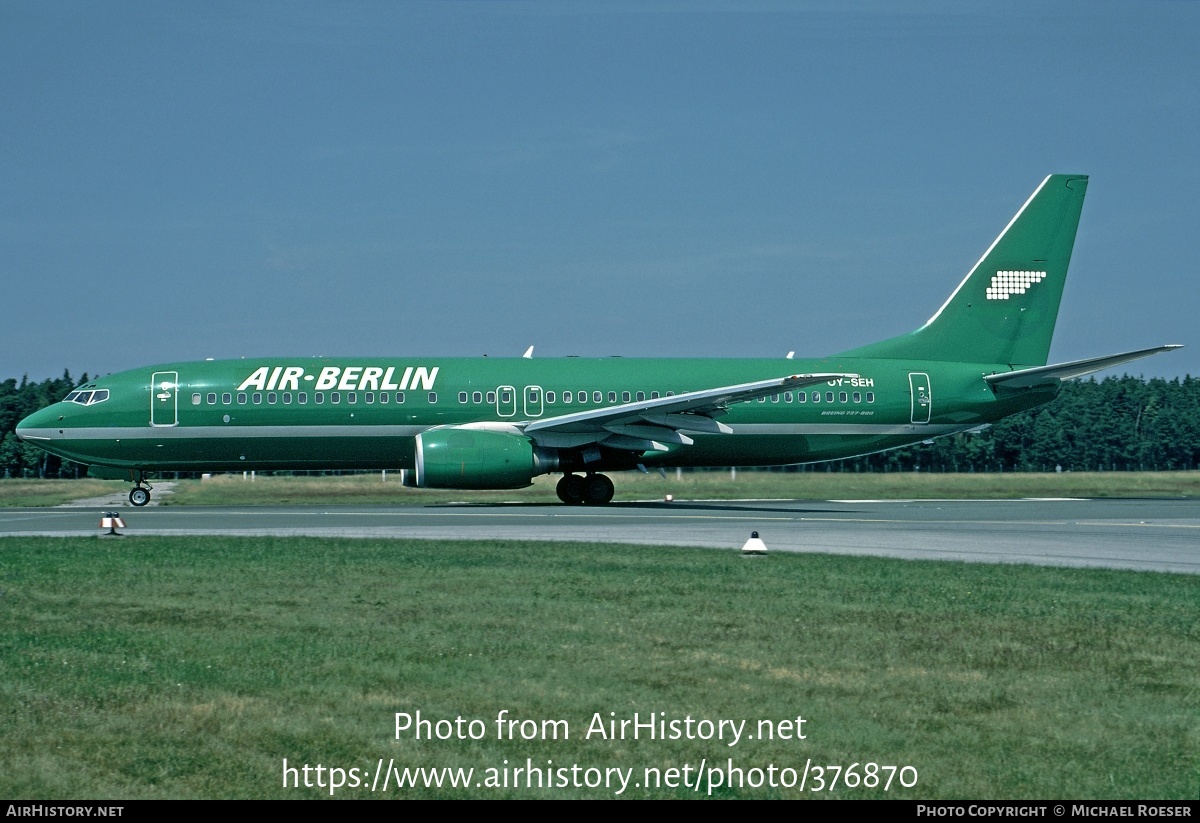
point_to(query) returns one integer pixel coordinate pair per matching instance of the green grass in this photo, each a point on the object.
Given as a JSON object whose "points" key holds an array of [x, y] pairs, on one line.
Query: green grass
{"points": [[15, 493], [371, 489], [190, 667]]}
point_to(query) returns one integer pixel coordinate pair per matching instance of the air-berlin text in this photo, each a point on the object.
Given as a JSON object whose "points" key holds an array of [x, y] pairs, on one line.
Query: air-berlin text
{"points": [[349, 378]]}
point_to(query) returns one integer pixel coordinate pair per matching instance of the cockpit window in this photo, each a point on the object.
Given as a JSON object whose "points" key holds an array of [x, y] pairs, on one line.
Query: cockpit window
{"points": [[87, 398]]}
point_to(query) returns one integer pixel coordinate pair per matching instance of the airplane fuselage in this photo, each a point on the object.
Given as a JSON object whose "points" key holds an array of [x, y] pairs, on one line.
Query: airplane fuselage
{"points": [[355, 413]]}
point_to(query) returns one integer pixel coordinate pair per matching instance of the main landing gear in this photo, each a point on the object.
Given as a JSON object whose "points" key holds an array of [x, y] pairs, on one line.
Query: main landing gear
{"points": [[139, 495], [592, 490]]}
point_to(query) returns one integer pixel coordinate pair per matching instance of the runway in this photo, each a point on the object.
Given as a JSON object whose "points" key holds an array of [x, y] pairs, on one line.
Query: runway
{"points": [[1147, 535]]}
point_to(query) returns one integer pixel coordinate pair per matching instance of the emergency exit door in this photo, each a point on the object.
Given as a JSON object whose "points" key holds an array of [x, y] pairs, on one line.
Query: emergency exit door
{"points": [[506, 401], [533, 401]]}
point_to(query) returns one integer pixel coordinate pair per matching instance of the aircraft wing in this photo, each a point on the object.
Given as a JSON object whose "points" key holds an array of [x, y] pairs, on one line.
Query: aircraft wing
{"points": [[649, 425], [1048, 375]]}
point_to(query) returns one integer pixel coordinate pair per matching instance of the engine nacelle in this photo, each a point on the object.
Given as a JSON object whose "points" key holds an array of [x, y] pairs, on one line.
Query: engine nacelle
{"points": [[466, 458]]}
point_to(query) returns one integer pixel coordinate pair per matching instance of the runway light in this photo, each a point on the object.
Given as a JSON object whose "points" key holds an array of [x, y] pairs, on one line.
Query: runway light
{"points": [[754, 547], [111, 521], [668, 498]]}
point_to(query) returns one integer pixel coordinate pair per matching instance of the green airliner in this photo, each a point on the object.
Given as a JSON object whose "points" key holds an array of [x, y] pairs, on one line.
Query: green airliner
{"points": [[492, 423]]}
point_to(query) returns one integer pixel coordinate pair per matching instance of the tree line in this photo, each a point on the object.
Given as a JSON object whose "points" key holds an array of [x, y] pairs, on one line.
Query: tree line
{"points": [[1115, 424]]}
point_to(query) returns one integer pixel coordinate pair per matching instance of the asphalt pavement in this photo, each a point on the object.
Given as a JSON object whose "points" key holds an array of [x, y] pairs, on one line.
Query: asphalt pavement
{"points": [[1149, 535]]}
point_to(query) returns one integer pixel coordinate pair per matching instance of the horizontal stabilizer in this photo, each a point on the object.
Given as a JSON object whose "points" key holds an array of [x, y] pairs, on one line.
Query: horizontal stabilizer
{"points": [[1048, 375]]}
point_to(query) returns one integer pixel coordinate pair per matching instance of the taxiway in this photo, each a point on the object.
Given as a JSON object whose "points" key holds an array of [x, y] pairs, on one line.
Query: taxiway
{"points": [[1147, 535]]}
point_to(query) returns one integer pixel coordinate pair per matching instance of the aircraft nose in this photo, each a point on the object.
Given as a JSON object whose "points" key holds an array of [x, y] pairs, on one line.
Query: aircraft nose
{"points": [[29, 428]]}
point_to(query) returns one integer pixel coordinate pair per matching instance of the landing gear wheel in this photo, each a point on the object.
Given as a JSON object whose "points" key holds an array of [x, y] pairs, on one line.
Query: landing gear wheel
{"points": [[597, 490], [570, 489], [139, 496]]}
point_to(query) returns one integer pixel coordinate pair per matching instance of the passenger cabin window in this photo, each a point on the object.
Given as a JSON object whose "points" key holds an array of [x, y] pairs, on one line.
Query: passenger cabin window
{"points": [[399, 397], [828, 397], [477, 397], [858, 397], [624, 397], [319, 397], [196, 399], [491, 398], [272, 398], [653, 395], [597, 397], [369, 397], [462, 397], [432, 397], [870, 397], [241, 398], [256, 398], [226, 398], [612, 397], [640, 396], [335, 397], [801, 397], [567, 397], [287, 397], [842, 397], [383, 397], [549, 397], [351, 397], [302, 398], [212, 398], [787, 397], [816, 397]]}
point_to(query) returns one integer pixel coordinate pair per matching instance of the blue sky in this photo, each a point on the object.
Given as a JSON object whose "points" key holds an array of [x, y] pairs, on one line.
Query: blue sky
{"points": [[225, 179]]}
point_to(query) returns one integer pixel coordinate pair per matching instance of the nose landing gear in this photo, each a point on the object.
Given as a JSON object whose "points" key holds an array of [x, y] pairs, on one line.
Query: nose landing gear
{"points": [[592, 490], [139, 495]]}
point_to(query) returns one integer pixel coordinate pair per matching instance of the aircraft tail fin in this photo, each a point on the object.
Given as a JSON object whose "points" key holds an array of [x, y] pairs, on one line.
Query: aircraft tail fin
{"points": [[1004, 310]]}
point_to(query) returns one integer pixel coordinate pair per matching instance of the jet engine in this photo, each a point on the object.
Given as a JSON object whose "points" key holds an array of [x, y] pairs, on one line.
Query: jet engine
{"points": [[469, 458]]}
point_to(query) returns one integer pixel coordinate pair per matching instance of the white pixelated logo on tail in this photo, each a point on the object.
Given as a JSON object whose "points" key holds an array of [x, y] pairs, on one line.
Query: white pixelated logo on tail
{"points": [[1012, 282]]}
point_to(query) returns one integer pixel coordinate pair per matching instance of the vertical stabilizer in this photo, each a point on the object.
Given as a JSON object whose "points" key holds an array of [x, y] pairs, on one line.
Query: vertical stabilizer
{"points": [[1005, 309]]}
